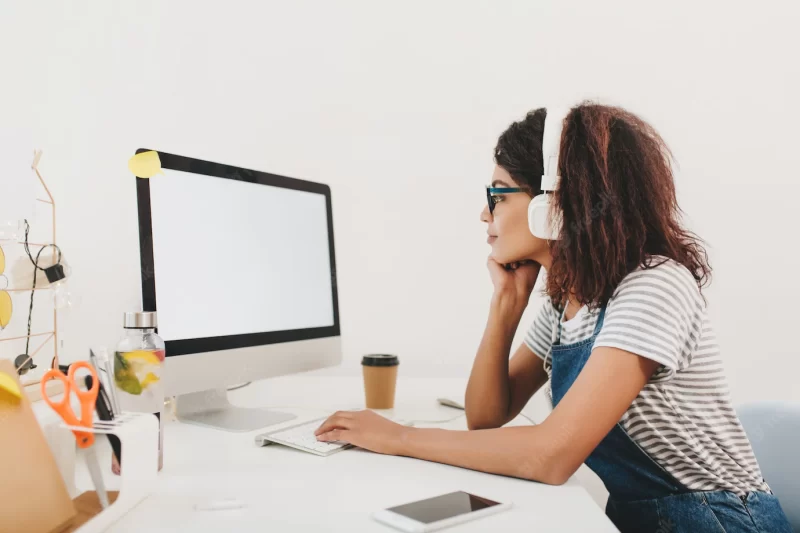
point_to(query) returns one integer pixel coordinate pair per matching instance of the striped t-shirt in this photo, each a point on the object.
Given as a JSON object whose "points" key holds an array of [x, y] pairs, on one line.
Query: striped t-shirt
{"points": [[683, 417]]}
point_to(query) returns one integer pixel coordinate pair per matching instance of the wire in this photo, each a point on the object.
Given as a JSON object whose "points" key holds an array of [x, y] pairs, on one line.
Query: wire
{"points": [[405, 420], [25, 244], [36, 269], [329, 412], [237, 387], [33, 292], [28, 250], [443, 421]]}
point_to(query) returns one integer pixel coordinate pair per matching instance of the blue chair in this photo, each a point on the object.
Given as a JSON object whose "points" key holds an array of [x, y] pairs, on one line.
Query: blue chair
{"points": [[774, 431]]}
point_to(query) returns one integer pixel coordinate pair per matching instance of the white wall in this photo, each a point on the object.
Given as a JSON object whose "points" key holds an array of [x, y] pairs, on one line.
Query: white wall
{"points": [[397, 107]]}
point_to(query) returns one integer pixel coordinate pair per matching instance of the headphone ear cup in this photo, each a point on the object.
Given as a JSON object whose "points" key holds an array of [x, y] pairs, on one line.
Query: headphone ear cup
{"points": [[539, 221], [538, 215]]}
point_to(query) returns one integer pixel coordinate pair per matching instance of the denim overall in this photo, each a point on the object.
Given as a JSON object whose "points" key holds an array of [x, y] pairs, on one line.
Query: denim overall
{"points": [[643, 497]]}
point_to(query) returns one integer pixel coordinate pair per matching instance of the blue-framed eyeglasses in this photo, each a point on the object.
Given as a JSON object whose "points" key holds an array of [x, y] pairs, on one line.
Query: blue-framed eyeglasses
{"points": [[495, 194]]}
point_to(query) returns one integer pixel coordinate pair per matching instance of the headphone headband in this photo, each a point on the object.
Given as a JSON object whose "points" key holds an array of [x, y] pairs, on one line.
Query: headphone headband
{"points": [[541, 221], [551, 145]]}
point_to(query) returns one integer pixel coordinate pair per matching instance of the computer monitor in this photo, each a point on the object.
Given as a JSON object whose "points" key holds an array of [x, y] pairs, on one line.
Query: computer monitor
{"points": [[240, 267]]}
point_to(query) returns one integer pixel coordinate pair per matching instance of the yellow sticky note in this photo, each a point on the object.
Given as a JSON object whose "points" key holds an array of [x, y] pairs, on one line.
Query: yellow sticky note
{"points": [[145, 165], [9, 387]]}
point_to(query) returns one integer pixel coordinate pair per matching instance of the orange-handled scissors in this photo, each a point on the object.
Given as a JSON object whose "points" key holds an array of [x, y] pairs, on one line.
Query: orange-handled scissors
{"points": [[87, 399]]}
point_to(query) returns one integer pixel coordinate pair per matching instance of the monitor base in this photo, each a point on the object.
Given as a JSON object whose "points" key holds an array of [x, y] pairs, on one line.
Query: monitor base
{"points": [[212, 409]]}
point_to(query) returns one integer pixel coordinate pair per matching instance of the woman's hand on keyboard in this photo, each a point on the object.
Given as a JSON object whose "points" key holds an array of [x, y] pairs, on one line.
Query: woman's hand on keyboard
{"points": [[364, 429]]}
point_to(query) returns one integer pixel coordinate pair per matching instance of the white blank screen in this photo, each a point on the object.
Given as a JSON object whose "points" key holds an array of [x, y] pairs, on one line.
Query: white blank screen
{"points": [[232, 257]]}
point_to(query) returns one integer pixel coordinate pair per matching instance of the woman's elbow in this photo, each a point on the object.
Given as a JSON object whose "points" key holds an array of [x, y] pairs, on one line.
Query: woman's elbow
{"points": [[474, 425], [547, 474], [556, 476], [550, 469], [475, 422]]}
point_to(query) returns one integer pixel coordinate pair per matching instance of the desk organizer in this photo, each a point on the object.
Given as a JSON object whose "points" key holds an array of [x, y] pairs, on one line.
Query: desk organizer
{"points": [[138, 435]]}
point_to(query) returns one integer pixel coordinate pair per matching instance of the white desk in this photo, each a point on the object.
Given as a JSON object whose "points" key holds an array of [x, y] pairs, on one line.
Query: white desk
{"points": [[288, 490]]}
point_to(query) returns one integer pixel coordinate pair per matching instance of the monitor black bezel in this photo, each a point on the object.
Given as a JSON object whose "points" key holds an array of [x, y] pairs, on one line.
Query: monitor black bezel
{"points": [[219, 170]]}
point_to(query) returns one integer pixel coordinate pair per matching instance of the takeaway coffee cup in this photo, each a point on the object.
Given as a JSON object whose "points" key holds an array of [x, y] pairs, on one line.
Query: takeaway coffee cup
{"points": [[380, 380]]}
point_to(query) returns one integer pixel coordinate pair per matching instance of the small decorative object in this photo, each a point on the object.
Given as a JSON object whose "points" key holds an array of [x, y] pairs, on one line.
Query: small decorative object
{"points": [[6, 305], [10, 230], [57, 275], [23, 363]]}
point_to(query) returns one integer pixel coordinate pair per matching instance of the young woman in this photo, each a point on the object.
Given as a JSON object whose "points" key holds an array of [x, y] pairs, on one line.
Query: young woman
{"points": [[635, 373]]}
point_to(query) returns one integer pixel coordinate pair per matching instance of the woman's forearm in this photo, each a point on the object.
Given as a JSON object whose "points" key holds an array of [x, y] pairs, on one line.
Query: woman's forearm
{"points": [[523, 451], [488, 392]]}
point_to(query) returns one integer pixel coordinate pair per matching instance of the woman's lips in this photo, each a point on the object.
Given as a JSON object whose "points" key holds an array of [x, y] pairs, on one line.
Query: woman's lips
{"points": [[491, 238]]}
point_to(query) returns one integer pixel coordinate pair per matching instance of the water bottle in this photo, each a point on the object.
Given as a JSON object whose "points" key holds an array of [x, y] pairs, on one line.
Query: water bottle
{"points": [[138, 366]]}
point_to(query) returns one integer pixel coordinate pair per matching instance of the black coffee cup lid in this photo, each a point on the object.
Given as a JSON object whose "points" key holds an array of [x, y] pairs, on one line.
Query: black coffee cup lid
{"points": [[380, 359]]}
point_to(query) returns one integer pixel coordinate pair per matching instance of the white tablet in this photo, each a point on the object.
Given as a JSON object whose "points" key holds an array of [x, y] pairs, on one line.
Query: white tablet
{"points": [[440, 512]]}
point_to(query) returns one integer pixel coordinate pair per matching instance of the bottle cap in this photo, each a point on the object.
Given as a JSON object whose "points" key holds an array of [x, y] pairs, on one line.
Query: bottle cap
{"points": [[140, 320]]}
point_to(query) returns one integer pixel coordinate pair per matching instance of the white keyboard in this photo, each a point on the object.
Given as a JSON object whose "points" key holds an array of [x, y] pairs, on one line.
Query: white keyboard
{"points": [[302, 438]]}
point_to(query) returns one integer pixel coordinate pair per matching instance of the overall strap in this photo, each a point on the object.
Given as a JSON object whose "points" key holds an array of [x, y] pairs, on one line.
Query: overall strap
{"points": [[557, 339], [600, 318]]}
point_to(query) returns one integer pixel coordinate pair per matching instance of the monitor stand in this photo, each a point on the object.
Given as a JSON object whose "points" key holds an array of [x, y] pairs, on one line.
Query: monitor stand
{"points": [[211, 408]]}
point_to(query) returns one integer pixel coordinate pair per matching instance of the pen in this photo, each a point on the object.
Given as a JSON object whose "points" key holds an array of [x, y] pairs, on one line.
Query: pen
{"points": [[104, 413], [93, 362], [109, 372], [103, 382], [114, 398]]}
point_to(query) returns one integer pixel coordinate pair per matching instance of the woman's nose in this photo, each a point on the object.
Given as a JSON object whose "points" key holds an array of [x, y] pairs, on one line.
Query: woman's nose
{"points": [[486, 216]]}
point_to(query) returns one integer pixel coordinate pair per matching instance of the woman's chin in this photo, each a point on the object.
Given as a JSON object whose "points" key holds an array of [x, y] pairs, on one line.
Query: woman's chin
{"points": [[504, 258], [517, 254]]}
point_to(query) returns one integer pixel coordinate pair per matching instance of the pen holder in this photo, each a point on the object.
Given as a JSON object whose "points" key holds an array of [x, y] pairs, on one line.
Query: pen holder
{"points": [[138, 433]]}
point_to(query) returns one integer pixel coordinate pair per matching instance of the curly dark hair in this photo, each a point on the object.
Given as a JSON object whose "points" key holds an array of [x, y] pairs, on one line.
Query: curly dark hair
{"points": [[616, 196]]}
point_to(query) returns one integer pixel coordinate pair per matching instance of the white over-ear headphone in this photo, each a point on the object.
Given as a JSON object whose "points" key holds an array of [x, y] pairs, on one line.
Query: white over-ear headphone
{"points": [[541, 222]]}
